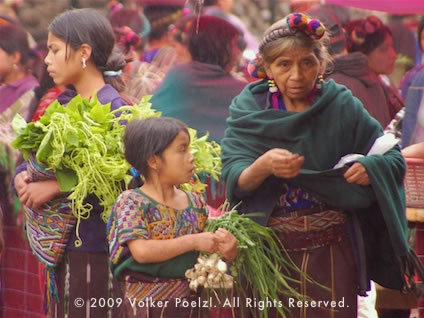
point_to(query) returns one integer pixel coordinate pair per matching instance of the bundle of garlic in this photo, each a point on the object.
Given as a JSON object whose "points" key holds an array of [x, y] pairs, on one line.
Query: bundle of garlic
{"points": [[209, 272]]}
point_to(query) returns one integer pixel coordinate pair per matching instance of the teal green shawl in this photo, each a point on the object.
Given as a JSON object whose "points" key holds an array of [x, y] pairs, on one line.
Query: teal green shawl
{"points": [[335, 125]]}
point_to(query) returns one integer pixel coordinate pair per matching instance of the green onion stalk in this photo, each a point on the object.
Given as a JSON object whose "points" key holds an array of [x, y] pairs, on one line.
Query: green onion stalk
{"points": [[262, 260]]}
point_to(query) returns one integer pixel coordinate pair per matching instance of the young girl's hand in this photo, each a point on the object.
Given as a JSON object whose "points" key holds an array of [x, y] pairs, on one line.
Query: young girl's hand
{"points": [[34, 194], [206, 242], [227, 244]]}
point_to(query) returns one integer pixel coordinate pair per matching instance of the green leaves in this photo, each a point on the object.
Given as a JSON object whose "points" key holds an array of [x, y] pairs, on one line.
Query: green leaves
{"points": [[67, 179], [45, 148], [19, 124], [82, 143], [207, 159]]}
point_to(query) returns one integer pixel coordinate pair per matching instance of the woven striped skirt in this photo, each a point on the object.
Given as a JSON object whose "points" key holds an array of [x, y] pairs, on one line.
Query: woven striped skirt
{"points": [[319, 245], [86, 287], [146, 296]]}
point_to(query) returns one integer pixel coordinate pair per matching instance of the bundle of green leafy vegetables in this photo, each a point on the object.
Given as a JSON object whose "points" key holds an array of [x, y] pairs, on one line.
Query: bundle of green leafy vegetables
{"points": [[82, 144]]}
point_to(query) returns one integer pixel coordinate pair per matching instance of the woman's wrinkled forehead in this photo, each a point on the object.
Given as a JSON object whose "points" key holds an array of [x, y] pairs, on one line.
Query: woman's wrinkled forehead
{"points": [[287, 46]]}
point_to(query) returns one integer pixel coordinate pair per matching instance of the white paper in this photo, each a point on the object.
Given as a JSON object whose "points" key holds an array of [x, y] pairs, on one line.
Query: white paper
{"points": [[380, 146]]}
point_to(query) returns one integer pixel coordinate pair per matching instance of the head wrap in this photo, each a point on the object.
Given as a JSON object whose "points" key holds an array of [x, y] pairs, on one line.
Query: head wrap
{"points": [[333, 24], [292, 24], [288, 26], [366, 34]]}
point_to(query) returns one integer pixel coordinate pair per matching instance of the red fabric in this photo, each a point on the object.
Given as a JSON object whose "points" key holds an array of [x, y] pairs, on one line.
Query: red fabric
{"points": [[215, 193], [20, 295], [45, 101]]}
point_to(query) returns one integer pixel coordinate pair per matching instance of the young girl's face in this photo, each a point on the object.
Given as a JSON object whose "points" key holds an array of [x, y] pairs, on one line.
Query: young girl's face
{"points": [[63, 63], [382, 59], [177, 163]]}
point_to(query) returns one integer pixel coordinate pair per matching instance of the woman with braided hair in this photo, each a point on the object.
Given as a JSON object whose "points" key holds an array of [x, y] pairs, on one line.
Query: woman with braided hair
{"points": [[341, 225], [82, 55]]}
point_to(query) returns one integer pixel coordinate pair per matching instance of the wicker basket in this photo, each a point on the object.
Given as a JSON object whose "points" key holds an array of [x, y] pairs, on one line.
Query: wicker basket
{"points": [[414, 183]]}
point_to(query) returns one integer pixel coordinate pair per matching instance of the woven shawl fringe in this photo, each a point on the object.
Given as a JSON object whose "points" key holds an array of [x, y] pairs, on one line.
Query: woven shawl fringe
{"points": [[410, 266], [51, 292]]}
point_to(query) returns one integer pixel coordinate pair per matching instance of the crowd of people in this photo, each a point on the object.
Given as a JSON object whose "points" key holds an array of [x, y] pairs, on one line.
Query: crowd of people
{"points": [[317, 92]]}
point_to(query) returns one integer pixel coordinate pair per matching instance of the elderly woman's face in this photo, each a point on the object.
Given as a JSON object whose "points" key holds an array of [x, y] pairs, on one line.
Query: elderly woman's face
{"points": [[295, 73]]}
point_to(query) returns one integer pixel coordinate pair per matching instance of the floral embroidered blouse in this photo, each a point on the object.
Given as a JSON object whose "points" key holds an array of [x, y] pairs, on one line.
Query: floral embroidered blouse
{"points": [[136, 215]]}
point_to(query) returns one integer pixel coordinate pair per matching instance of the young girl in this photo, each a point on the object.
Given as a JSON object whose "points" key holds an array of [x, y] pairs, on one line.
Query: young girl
{"points": [[81, 55], [155, 229]]}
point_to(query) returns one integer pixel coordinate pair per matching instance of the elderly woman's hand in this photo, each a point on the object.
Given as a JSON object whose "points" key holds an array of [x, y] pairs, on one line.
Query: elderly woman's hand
{"points": [[283, 163], [357, 174]]}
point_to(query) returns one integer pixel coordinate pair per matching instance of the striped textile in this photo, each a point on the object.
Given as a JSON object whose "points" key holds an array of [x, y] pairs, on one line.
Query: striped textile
{"points": [[86, 275], [20, 294], [49, 227], [325, 256], [419, 249], [139, 288], [310, 231], [169, 289]]}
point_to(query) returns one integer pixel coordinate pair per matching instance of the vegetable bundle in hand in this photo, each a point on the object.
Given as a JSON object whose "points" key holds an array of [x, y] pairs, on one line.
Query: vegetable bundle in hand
{"points": [[260, 260], [209, 272], [82, 144]]}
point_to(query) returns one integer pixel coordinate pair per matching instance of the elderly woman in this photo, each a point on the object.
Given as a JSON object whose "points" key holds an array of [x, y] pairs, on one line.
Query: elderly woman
{"points": [[285, 134]]}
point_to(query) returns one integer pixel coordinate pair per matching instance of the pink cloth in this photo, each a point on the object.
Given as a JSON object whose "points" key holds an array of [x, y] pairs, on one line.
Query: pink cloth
{"points": [[9, 93], [389, 6]]}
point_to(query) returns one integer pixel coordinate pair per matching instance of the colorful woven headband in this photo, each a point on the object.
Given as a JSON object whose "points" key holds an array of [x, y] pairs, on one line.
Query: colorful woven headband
{"points": [[127, 37], [114, 6], [179, 33], [293, 23], [167, 20], [254, 70], [366, 27]]}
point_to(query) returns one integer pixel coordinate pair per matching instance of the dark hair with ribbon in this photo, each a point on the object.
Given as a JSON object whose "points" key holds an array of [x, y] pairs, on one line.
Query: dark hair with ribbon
{"points": [[126, 39], [161, 17], [366, 35], [180, 30], [146, 138], [88, 26]]}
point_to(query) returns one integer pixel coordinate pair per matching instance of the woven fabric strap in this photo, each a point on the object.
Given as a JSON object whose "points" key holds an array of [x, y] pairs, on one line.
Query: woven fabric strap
{"points": [[160, 290], [309, 232], [48, 227]]}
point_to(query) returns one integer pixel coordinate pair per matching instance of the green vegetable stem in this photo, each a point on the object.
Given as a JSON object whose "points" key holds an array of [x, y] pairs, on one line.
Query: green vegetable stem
{"points": [[262, 260]]}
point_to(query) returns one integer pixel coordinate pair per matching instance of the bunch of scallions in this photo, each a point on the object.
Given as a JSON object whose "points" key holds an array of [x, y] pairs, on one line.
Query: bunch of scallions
{"points": [[262, 262]]}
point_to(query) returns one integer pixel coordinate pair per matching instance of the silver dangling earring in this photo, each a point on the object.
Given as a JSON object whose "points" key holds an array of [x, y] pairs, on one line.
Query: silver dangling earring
{"points": [[272, 87], [84, 65], [320, 80]]}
